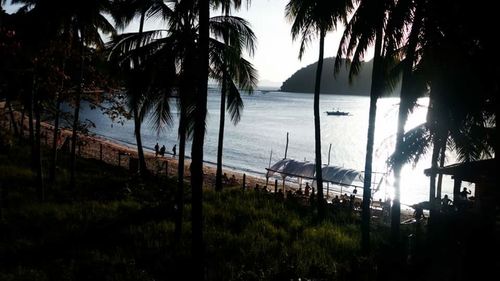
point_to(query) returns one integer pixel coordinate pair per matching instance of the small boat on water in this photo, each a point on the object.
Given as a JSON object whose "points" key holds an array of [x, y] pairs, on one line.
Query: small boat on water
{"points": [[337, 112]]}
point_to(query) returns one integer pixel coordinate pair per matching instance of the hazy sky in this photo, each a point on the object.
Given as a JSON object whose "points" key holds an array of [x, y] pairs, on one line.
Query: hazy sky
{"points": [[276, 57]]}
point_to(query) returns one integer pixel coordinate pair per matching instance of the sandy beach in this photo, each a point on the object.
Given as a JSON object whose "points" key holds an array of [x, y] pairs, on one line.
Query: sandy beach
{"points": [[114, 153]]}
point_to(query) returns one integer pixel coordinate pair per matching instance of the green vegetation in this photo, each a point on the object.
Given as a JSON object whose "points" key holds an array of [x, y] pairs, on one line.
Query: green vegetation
{"points": [[119, 227], [111, 225]]}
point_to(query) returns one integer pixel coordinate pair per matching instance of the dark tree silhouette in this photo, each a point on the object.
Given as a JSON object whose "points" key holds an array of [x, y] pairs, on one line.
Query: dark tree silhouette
{"points": [[315, 18]]}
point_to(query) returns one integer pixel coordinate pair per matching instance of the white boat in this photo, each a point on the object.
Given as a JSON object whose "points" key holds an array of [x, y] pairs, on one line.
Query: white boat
{"points": [[337, 112]]}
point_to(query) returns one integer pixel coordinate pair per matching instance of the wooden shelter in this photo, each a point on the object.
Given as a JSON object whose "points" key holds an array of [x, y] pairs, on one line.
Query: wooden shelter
{"points": [[483, 174]]}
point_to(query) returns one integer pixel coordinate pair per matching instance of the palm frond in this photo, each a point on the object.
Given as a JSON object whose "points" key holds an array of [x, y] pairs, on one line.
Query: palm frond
{"points": [[160, 9], [234, 31], [417, 142], [234, 102]]}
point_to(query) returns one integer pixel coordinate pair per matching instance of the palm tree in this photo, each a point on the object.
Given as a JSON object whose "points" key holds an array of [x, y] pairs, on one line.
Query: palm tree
{"points": [[232, 71], [450, 84], [137, 84], [41, 52], [85, 19], [366, 28], [310, 19], [199, 114], [180, 46], [403, 14]]}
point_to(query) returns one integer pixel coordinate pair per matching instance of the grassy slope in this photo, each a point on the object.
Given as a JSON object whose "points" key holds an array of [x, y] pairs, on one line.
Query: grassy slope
{"points": [[118, 227]]}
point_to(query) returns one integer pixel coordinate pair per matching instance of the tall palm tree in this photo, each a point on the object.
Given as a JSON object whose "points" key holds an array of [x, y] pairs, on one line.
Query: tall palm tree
{"points": [[137, 84], [181, 44], [366, 28], [316, 18], [87, 21], [199, 113], [404, 14], [43, 53], [232, 72], [448, 42]]}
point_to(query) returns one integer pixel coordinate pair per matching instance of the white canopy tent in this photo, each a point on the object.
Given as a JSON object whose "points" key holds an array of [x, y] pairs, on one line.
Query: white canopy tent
{"points": [[297, 169], [340, 176]]}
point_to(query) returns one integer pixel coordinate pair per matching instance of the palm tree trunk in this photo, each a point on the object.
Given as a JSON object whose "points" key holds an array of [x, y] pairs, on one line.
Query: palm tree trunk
{"points": [[198, 142], [441, 164], [38, 154], [21, 124], [404, 108], [435, 190], [179, 196], [30, 116], [53, 164], [143, 170], [186, 91], [432, 188], [11, 115], [76, 116], [74, 138], [218, 177], [374, 95], [317, 127]]}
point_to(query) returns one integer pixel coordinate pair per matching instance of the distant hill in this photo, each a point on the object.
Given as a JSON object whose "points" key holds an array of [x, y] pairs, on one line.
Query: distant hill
{"points": [[303, 80]]}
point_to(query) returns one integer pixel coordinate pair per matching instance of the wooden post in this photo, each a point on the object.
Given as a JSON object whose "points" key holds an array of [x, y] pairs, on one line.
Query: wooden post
{"points": [[328, 183], [456, 189], [244, 182], [100, 151], [284, 188], [329, 151], [275, 186], [286, 148]]}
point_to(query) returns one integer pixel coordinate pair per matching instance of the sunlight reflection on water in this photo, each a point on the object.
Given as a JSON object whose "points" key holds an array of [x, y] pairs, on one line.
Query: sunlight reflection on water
{"points": [[268, 117]]}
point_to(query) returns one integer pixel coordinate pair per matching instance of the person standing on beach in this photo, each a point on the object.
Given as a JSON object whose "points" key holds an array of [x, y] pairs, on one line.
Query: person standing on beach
{"points": [[174, 150], [157, 149], [162, 151]]}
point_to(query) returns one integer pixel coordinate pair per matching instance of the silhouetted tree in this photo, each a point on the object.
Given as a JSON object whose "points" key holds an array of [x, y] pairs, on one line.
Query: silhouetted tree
{"points": [[231, 71], [315, 18], [366, 28]]}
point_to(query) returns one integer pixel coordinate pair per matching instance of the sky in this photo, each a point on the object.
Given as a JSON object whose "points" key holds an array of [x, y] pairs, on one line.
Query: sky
{"points": [[276, 57]]}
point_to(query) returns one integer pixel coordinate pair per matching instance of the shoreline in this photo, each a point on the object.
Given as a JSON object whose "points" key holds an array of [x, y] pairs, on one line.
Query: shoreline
{"points": [[118, 153]]}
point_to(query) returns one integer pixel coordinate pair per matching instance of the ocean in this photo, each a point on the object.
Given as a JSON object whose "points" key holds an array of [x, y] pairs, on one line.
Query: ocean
{"points": [[268, 117]]}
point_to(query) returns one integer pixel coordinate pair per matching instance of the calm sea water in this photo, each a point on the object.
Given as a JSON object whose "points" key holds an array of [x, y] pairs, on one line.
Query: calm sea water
{"points": [[267, 117]]}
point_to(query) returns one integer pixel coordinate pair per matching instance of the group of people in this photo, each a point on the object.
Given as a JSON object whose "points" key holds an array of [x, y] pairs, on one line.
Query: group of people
{"points": [[306, 192], [460, 203], [161, 151], [229, 181], [447, 205]]}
